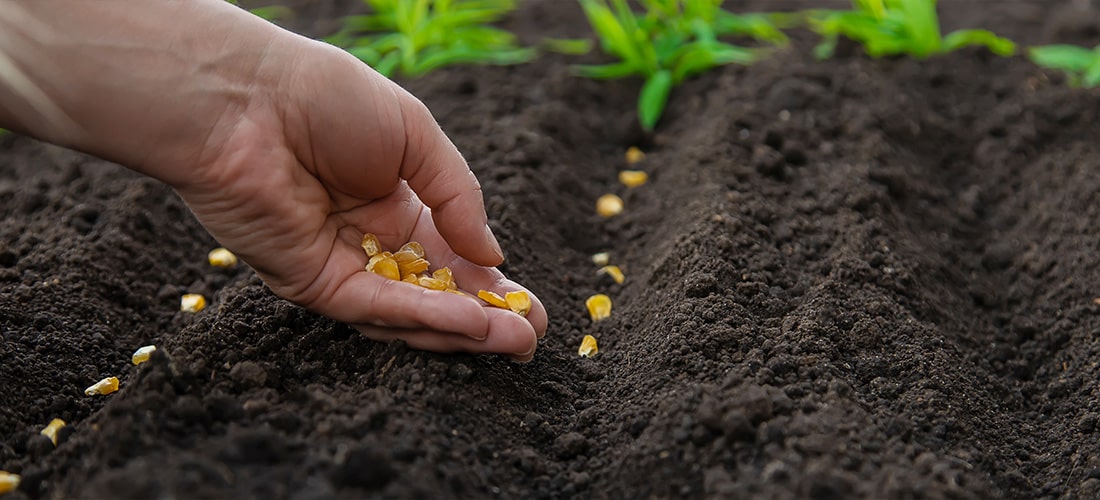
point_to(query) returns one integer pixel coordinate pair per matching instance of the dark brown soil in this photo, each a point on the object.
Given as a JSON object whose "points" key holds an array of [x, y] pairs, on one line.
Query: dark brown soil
{"points": [[851, 278]]}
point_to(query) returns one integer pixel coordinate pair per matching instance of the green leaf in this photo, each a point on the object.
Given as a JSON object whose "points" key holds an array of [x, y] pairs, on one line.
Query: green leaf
{"points": [[608, 71], [984, 38], [1063, 57], [1092, 75], [571, 46], [612, 34], [273, 13], [388, 65], [654, 97]]}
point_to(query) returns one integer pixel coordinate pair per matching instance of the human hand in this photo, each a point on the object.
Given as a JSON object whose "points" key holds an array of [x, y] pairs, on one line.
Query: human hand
{"points": [[288, 152]]}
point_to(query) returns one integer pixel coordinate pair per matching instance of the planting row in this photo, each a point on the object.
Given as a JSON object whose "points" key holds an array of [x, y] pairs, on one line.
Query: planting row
{"points": [[667, 41]]}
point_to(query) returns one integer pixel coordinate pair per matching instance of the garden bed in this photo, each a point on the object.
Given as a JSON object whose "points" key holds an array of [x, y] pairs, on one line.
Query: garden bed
{"points": [[853, 277]]}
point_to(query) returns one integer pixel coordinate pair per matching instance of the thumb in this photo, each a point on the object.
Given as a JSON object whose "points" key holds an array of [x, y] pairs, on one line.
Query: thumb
{"points": [[436, 171]]}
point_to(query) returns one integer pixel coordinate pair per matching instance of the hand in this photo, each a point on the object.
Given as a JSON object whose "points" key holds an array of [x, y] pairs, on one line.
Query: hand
{"points": [[287, 150]]}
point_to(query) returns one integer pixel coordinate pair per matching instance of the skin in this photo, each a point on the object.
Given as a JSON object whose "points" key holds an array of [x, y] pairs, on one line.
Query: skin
{"points": [[286, 149]]}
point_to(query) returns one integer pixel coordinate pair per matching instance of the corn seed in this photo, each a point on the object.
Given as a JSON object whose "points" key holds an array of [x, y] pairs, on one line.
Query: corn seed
{"points": [[192, 302], [8, 482], [445, 275], [221, 257], [634, 155], [432, 283], [51, 430], [103, 387], [615, 273], [609, 205], [371, 245], [414, 248], [415, 266], [492, 298], [601, 259], [588, 347], [633, 178], [384, 265], [142, 354], [599, 306], [519, 302]]}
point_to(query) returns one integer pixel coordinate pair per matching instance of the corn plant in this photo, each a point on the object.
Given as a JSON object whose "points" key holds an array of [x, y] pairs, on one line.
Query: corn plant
{"points": [[671, 41], [1080, 64], [893, 27], [414, 37]]}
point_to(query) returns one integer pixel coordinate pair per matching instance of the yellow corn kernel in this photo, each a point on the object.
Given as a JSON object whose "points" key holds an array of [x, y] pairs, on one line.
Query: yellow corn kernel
{"points": [[492, 298], [432, 283], [142, 354], [601, 259], [445, 275], [615, 273], [103, 387], [633, 178], [519, 302], [416, 266], [599, 306], [634, 155], [411, 278], [414, 248], [609, 205], [192, 302], [588, 347], [8, 482], [371, 245], [51, 429], [384, 265], [221, 257]]}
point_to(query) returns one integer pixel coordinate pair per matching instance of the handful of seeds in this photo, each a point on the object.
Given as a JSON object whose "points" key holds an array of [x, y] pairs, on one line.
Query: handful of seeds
{"points": [[409, 264]]}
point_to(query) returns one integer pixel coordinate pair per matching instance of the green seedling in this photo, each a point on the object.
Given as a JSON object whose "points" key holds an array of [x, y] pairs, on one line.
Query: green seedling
{"points": [[1081, 65], [271, 13], [671, 41], [414, 37], [893, 27]]}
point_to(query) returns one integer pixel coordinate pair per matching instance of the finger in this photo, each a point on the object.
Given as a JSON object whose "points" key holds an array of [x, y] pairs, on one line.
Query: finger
{"points": [[472, 277], [441, 178], [365, 297], [508, 334]]}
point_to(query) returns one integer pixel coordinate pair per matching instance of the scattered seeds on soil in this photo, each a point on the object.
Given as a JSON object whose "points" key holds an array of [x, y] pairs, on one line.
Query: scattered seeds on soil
{"points": [[142, 354], [103, 387], [192, 302], [599, 306], [51, 429], [633, 178], [588, 347], [221, 257], [615, 273], [609, 205], [8, 482], [634, 155]]}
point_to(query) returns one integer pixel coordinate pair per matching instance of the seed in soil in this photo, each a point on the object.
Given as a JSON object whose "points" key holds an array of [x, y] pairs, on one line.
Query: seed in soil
{"points": [[634, 155], [588, 347], [609, 205], [192, 302], [599, 306], [142, 354], [8, 482], [519, 302], [615, 273], [601, 259], [103, 387], [633, 178], [51, 429], [221, 257]]}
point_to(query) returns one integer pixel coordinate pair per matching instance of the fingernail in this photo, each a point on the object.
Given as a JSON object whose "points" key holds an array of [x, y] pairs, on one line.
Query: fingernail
{"points": [[529, 351], [482, 337], [493, 243]]}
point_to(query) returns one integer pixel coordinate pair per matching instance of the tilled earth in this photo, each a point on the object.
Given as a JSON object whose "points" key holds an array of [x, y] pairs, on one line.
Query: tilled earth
{"points": [[868, 278]]}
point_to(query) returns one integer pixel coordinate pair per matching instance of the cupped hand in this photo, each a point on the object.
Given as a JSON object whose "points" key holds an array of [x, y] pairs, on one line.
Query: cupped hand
{"points": [[294, 175]]}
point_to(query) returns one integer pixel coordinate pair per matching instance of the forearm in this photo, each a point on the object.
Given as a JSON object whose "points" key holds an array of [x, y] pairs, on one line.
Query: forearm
{"points": [[141, 83]]}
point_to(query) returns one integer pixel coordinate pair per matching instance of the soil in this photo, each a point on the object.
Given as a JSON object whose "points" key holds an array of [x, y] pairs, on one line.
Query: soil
{"points": [[845, 278]]}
